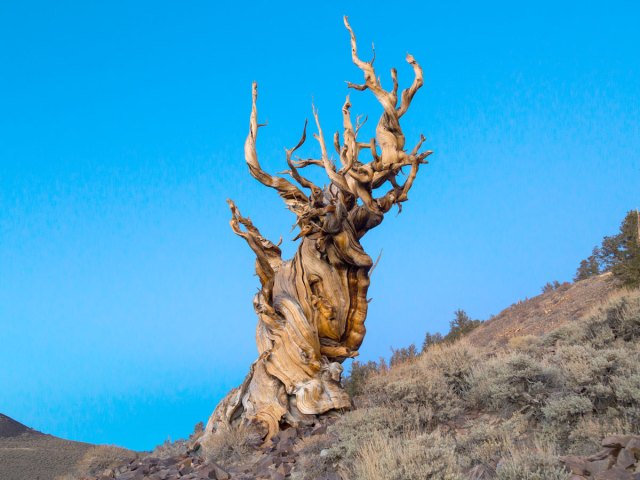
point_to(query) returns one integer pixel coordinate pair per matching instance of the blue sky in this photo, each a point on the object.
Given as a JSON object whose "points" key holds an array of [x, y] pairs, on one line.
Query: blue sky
{"points": [[125, 299]]}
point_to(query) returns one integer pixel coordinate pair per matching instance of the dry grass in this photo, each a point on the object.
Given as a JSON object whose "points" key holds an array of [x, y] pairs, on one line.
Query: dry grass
{"points": [[103, 457], [410, 456], [230, 446]]}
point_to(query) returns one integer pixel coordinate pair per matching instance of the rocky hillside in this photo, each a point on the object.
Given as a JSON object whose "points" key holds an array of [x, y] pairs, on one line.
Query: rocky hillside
{"points": [[546, 312], [26, 454]]}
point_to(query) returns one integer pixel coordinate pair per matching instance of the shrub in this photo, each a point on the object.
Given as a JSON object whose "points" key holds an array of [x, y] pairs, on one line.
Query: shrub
{"points": [[531, 462], [407, 457], [103, 457], [566, 410], [514, 382]]}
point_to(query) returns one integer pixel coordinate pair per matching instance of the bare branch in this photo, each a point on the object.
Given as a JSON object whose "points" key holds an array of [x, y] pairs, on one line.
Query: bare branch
{"points": [[302, 163], [293, 197], [293, 170], [268, 254], [407, 94], [335, 178]]}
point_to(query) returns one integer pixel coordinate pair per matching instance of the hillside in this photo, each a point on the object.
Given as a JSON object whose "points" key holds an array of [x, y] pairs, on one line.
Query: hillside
{"points": [[26, 454], [10, 428], [545, 312]]}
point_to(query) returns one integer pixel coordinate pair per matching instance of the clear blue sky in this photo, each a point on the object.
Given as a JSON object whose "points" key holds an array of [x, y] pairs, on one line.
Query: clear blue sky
{"points": [[125, 299]]}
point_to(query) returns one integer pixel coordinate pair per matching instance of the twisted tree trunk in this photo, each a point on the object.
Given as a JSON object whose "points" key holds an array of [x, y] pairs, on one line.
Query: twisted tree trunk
{"points": [[312, 309]]}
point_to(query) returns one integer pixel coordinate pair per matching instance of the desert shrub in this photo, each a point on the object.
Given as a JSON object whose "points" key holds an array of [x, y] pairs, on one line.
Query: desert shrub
{"points": [[360, 426], [514, 382], [561, 414], [607, 376], [528, 344], [170, 449], [407, 457], [230, 445], [482, 444], [531, 462], [455, 362], [103, 457], [567, 409], [312, 461], [424, 396]]}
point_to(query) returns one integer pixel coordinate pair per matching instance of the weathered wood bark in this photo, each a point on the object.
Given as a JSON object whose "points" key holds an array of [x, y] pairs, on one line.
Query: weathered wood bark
{"points": [[312, 309]]}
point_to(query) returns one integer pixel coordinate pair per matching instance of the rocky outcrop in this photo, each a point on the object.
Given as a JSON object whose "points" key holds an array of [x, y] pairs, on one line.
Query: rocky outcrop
{"points": [[618, 460]]}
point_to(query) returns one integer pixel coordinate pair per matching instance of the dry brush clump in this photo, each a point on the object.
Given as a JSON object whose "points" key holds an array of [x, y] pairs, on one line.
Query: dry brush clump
{"points": [[101, 460], [458, 410]]}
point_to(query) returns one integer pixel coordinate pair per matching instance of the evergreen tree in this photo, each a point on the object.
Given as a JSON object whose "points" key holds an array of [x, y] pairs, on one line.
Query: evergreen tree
{"points": [[589, 267], [431, 339], [460, 326], [626, 266]]}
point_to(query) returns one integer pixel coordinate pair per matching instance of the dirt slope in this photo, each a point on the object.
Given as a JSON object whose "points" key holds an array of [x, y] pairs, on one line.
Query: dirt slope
{"points": [[544, 313], [26, 454], [10, 428]]}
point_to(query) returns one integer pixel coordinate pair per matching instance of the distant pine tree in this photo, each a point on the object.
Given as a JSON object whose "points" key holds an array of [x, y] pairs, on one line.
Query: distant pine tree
{"points": [[624, 251], [618, 254], [431, 339], [589, 267], [460, 326]]}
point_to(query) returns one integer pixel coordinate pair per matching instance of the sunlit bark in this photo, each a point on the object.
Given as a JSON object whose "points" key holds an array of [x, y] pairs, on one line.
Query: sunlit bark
{"points": [[312, 309]]}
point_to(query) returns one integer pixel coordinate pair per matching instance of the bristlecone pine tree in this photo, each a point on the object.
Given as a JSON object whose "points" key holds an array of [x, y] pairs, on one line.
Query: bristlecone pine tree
{"points": [[312, 309]]}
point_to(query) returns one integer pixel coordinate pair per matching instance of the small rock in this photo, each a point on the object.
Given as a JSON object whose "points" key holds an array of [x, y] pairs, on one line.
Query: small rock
{"points": [[625, 459], [319, 430], [617, 441], [602, 454], [634, 445], [126, 476], [216, 472], [614, 474], [598, 466], [284, 468], [576, 464], [163, 474]]}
